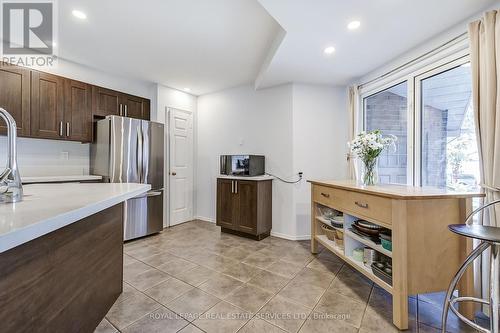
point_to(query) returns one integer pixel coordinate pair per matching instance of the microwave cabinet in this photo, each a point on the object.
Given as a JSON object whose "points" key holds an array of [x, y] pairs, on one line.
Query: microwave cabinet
{"points": [[244, 206]]}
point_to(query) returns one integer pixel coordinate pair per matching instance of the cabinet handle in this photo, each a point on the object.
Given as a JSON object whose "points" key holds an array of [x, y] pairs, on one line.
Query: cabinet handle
{"points": [[232, 186], [236, 187], [60, 128], [121, 110], [326, 195], [126, 110], [362, 205], [67, 128]]}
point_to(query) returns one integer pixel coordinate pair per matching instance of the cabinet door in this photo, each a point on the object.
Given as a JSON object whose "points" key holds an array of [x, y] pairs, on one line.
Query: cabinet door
{"points": [[135, 107], [47, 101], [247, 197], [227, 204], [105, 102], [15, 97], [77, 111]]}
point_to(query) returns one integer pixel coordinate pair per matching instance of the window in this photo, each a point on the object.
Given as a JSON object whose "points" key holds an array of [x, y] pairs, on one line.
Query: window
{"points": [[387, 111], [430, 112], [449, 156]]}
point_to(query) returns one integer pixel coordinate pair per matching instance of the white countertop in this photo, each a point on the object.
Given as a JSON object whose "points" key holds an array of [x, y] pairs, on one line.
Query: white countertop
{"points": [[48, 207], [263, 177], [57, 179]]}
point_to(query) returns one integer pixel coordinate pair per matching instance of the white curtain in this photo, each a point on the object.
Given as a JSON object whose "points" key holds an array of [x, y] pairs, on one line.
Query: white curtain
{"points": [[484, 37], [353, 106]]}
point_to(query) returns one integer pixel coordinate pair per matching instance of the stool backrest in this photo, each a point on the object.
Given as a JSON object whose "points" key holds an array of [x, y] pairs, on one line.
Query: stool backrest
{"points": [[468, 220]]}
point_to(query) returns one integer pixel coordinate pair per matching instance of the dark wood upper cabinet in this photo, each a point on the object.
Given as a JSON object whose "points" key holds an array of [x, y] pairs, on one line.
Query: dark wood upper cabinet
{"points": [[244, 207], [135, 107], [106, 102], [15, 97], [49, 106], [78, 111], [47, 103]]}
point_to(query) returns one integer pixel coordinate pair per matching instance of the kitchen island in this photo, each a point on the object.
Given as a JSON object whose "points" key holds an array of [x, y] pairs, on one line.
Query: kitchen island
{"points": [[61, 256], [423, 255]]}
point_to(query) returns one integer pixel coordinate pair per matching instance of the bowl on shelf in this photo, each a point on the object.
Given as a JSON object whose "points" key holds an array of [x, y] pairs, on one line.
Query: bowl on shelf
{"points": [[326, 212], [386, 244], [386, 239]]}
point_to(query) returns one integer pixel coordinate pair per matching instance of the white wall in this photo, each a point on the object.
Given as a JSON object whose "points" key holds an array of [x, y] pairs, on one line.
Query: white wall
{"points": [[172, 98], [297, 127], [429, 45], [242, 120], [319, 143]]}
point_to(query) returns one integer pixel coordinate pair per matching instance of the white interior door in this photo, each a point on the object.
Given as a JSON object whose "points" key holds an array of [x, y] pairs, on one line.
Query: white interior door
{"points": [[181, 166]]}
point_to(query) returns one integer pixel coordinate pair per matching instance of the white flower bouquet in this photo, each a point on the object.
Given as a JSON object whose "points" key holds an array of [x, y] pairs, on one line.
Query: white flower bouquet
{"points": [[368, 146]]}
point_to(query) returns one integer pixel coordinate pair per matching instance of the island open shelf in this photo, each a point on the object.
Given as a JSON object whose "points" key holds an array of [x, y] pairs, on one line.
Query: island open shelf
{"points": [[418, 219]]}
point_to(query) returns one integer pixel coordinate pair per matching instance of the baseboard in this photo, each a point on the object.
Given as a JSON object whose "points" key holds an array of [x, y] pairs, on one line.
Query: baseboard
{"points": [[289, 237], [274, 234], [206, 219]]}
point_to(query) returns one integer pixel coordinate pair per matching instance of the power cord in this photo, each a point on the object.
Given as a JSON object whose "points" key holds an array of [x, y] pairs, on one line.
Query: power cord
{"points": [[287, 181]]}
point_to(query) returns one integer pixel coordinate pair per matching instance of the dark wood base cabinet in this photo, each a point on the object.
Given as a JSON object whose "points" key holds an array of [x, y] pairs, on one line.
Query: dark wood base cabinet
{"points": [[65, 281], [244, 207]]}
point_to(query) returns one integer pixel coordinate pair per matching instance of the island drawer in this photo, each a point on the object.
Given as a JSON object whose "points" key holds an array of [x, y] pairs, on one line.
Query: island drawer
{"points": [[328, 196], [375, 207]]}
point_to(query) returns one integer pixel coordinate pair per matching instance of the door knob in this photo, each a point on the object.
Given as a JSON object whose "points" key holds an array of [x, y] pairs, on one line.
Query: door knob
{"points": [[174, 173]]}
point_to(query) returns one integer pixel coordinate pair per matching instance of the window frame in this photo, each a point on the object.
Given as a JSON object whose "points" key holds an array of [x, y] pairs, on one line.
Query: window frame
{"points": [[409, 135], [417, 179], [413, 75]]}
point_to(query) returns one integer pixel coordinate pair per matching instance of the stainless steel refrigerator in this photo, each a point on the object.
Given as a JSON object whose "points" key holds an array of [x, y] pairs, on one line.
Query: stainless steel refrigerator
{"points": [[128, 150]]}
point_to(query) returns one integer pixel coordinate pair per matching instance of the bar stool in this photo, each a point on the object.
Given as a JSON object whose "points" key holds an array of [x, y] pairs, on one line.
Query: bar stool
{"points": [[490, 238]]}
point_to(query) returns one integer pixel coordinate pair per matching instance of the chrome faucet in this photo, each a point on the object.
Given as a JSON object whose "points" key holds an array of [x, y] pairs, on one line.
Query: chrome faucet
{"points": [[11, 188]]}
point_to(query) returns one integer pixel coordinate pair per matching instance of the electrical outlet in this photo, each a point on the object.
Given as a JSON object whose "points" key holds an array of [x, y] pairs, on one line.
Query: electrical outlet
{"points": [[64, 155]]}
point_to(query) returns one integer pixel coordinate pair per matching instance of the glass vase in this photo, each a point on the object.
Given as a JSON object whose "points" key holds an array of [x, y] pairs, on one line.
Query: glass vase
{"points": [[369, 173]]}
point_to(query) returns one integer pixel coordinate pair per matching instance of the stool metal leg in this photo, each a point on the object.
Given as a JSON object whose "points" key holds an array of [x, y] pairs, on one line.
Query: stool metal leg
{"points": [[453, 285], [494, 288]]}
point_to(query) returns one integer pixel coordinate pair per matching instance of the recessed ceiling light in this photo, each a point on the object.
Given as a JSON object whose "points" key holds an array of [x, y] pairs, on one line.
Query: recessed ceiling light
{"points": [[187, 89], [79, 14], [353, 25], [329, 50]]}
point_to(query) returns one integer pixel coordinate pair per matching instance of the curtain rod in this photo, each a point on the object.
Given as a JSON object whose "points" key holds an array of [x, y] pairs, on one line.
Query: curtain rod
{"points": [[414, 60]]}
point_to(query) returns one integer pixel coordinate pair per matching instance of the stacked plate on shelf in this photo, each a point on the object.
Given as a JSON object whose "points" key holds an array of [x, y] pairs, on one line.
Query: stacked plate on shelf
{"points": [[337, 221], [367, 230]]}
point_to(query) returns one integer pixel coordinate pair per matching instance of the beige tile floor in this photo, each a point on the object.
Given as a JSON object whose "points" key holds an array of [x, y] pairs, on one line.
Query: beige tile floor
{"points": [[192, 278]]}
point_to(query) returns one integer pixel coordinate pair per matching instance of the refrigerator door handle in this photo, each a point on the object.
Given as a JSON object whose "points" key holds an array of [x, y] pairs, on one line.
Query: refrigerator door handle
{"points": [[146, 151], [139, 154]]}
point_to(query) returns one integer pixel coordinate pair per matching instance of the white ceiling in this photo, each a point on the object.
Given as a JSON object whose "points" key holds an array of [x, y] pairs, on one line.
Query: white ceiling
{"points": [[388, 29], [209, 45], [206, 45]]}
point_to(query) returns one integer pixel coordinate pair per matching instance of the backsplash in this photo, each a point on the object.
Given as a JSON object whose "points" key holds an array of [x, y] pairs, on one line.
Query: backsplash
{"points": [[37, 157]]}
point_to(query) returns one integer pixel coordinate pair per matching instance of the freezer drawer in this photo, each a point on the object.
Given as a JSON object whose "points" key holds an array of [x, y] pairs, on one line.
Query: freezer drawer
{"points": [[143, 215]]}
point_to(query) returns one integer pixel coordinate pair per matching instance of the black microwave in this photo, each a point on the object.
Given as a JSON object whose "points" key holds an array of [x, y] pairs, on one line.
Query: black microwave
{"points": [[242, 165]]}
